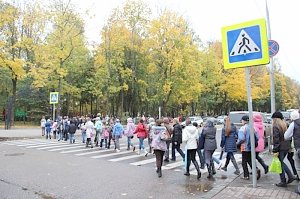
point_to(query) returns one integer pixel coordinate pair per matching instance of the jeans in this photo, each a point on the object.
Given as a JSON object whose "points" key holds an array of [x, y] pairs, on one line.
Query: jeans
{"points": [[167, 151], [141, 143], [83, 135], [105, 142], [284, 167], [129, 142], [61, 135], [48, 133], [72, 137], [117, 142], [177, 147]]}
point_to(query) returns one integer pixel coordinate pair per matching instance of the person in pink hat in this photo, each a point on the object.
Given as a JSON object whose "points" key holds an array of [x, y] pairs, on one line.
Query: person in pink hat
{"points": [[260, 129]]}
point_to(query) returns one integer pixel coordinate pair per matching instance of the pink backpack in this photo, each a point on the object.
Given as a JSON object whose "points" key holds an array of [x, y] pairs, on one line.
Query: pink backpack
{"points": [[105, 133]]}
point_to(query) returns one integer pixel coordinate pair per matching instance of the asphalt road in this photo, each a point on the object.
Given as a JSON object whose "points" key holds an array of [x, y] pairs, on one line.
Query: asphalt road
{"points": [[31, 173]]}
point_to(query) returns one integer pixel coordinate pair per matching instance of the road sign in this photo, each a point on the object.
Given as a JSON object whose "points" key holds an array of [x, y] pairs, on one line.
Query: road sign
{"points": [[245, 44], [53, 97], [273, 48]]}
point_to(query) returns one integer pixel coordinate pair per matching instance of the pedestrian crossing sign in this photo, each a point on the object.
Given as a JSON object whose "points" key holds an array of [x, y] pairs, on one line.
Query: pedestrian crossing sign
{"points": [[53, 97], [245, 44]]}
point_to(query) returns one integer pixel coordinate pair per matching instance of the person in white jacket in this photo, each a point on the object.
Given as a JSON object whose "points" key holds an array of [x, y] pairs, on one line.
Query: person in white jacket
{"points": [[89, 132], [190, 136]]}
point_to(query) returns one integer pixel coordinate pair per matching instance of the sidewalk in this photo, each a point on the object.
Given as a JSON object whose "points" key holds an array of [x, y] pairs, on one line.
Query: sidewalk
{"points": [[265, 189], [30, 132]]}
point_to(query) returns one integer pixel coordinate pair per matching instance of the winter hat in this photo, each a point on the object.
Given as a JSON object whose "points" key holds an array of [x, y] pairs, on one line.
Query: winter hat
{"points": [[294, 115], [129, 120], [257, 117], [277, 114], [245, 118], [117, 120]]}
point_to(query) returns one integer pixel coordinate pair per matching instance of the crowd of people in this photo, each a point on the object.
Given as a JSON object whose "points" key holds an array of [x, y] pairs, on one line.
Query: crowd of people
{"points": [[161, 133]]}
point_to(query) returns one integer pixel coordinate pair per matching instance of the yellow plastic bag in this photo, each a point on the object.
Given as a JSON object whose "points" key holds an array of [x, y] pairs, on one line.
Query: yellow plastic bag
{"points": [[275, 166]]}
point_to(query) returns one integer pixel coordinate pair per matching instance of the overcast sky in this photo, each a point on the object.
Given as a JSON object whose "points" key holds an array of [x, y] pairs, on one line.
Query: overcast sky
{"points": [[207, 17]]}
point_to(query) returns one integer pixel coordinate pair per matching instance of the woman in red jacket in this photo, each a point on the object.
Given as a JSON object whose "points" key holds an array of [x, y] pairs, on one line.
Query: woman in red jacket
{"points": [[141, 131]]}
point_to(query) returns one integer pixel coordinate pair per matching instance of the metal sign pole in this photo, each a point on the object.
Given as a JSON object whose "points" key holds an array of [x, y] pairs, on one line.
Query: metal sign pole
{"points": [[253, 155], [53, 112]]}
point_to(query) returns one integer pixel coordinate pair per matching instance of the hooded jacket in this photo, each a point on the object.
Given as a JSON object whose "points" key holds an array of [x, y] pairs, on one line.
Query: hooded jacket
{"points": [[209, 133], [259, 129], [189, 136], [129, 128]]}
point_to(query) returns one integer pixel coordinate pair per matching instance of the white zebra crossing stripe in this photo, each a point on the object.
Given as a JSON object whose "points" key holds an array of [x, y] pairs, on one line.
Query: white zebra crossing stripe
{"points": [[127, 157], [44, 145], [61, 145], [76, 150], [66, 148], [98, 151], [111, 154], [143, 162]]}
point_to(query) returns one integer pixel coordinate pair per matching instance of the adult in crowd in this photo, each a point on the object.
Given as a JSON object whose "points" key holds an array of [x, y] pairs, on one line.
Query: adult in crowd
{"points": [[43, 122], [169, 128], [281, 147], [294, 132], [89, 132], [177, 139], [159, 145], [228, 142], [210, 145], [190, 138]]}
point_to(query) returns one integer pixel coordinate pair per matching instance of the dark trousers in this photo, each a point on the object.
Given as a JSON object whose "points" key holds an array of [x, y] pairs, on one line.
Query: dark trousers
{"points": [[290, 157], [191, 156], [284, 167], [177, 147], [159, 157], [229, 156], [261, 161], [201, 157], [246, 159]]}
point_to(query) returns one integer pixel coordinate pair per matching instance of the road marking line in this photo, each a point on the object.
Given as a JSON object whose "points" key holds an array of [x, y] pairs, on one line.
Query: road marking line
{"points": [[61, 145], [98, 151], [66, 148], [143, 162], [127, 157], [111, 154]]}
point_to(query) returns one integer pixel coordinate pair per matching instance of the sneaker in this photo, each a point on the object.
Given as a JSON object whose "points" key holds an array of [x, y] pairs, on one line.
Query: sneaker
{"points": [[166, 160], [146, 154], [117, 150], [133, 148], [187, 174]]}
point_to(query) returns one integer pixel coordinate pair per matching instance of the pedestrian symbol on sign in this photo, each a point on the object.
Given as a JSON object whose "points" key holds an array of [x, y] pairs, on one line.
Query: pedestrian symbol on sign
{"points": [[244, 45], [53, 97]]}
